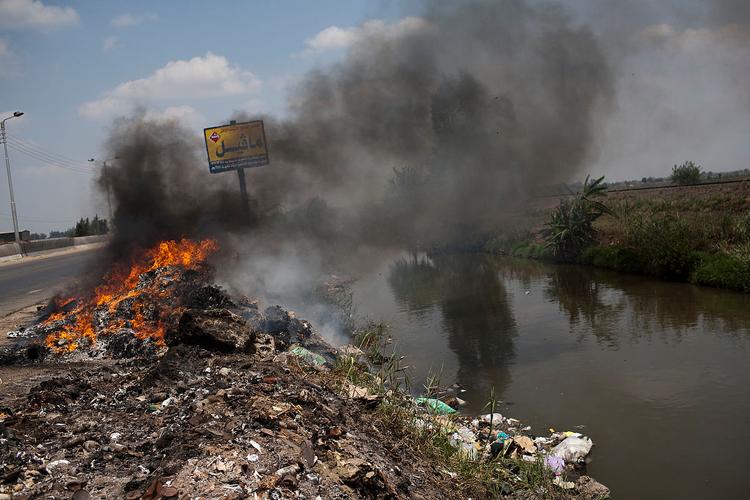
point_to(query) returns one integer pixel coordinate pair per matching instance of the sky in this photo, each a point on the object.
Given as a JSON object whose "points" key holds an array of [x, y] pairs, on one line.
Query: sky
{"points": [[74, 66]]}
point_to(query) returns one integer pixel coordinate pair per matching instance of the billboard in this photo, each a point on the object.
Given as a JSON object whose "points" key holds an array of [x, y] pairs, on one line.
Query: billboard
{"points": [[236, 146]]}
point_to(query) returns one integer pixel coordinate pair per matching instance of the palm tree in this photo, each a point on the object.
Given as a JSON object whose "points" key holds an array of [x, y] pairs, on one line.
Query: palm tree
{"points": [[570, 229]]}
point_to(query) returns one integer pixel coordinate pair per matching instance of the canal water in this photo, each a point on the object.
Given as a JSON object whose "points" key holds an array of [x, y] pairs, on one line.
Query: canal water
{"points": [[656, 373]]}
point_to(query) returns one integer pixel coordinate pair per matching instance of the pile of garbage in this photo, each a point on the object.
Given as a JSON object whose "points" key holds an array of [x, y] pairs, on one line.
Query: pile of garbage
{"points": [[237, 402], [492, 435], [204, 420]]}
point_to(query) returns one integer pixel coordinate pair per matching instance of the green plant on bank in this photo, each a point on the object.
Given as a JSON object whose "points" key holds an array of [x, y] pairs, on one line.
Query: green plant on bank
{"points": [[570, 229], [370, 337], [687, 173], [492, 405]]}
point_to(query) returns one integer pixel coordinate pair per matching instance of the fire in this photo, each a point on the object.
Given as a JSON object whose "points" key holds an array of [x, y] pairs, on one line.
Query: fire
{"points": [[124, 286]]}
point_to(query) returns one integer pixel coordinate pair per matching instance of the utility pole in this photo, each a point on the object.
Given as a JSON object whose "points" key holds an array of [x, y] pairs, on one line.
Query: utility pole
{"points": [[10, 180], [105, 173]]}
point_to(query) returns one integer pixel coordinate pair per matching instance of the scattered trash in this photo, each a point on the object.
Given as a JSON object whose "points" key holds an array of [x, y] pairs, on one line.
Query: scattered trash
{"points": [[555, 464], [525, 443], [308, 356], [566, 485], [435, 405], [465, 441], [496, 418]]}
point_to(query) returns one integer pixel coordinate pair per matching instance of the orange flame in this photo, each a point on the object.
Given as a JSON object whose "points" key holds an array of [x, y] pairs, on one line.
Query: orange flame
{"points": [[120, 284]]}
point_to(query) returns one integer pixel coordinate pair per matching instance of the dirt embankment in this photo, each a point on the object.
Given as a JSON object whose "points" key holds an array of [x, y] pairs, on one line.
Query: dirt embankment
{"points": [[732, 196]]}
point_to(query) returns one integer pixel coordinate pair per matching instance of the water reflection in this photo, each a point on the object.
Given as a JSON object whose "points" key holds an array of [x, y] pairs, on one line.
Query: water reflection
{"points": [[629, 357], [601, 302], [475, 308], [583, 300]]}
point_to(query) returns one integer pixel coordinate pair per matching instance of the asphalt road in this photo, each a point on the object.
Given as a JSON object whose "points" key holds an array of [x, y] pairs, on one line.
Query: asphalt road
{"points": [[25, 283]]}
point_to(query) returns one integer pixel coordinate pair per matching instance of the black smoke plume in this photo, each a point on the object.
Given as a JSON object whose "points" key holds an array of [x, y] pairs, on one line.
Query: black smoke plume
{"points": [[428, 130]]}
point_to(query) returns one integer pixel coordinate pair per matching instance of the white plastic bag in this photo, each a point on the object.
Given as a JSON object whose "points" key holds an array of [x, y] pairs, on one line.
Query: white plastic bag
{"points": [[573, 449]]}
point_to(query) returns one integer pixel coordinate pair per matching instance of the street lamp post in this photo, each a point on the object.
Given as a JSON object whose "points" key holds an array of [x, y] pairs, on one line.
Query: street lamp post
{"points": [[10, 180]]}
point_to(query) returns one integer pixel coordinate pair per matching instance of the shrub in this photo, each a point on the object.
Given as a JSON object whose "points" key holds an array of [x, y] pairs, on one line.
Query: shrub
{"points": [[617, 258], [687, 173], [665, 243]]}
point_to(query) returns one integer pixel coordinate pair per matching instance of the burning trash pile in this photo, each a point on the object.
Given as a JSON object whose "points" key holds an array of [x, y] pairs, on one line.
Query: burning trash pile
{"points": [[135, 305], [181, 391]]}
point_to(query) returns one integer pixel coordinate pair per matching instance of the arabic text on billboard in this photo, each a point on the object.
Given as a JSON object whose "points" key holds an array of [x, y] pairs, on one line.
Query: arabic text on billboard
{"points": [[234, 146]]}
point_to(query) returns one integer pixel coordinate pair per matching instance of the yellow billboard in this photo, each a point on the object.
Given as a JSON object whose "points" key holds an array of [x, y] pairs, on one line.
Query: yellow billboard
{"points": [[235, 146]]}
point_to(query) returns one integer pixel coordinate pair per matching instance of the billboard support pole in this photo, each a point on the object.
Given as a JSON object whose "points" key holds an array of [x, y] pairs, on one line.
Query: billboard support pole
{"points": [[243, 184], [243, 189]]}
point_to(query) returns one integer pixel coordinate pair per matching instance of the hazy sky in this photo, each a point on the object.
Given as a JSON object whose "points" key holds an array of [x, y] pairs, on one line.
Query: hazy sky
{"points": [[681, 71]]}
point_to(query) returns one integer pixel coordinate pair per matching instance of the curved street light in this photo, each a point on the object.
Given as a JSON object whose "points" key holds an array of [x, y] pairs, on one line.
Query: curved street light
{"points": [[7, 167]]}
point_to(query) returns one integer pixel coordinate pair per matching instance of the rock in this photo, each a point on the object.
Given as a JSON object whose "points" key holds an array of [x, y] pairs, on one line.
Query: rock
{"points": [[81, 495], [591, 489], [57, 464], [213, 329]]}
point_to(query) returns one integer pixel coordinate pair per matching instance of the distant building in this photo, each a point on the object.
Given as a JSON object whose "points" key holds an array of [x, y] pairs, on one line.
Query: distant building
{"points": [[11, 237]]}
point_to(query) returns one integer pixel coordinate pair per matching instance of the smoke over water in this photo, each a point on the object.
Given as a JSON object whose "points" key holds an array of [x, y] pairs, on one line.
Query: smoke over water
{"points": [[472, 104], [425, 133]]}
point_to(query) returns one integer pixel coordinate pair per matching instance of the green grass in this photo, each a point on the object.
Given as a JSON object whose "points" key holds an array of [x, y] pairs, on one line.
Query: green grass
{"points": [[723, 271]]}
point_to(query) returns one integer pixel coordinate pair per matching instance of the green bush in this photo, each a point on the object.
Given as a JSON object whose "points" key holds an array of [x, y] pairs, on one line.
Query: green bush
{"points": [[723, 271], [665, 243], [687, 173]]}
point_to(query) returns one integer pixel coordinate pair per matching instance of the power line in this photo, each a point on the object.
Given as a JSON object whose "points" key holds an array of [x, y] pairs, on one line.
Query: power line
{"points": [[47, 161], [34, 147], [47, 157]]}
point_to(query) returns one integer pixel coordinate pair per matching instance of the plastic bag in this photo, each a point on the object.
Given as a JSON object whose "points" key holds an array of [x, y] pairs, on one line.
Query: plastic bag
{"points": [[573, 449], [436, 406]]}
